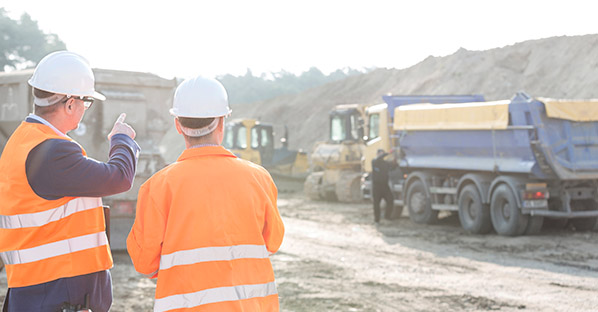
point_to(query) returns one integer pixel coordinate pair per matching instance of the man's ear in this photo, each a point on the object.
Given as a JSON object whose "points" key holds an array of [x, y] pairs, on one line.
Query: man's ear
{"points": [[69, 106], [177, 126], [221, 122]]}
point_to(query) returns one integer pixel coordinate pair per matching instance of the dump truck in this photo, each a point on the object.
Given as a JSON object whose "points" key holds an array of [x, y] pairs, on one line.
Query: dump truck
{"points": [[379, 128], [253, 140], [335, 164], [145, 98], [501, 165]]}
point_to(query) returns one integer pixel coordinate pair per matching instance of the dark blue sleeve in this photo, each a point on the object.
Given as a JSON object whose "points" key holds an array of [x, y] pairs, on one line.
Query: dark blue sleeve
{"points": [[57, 168]]}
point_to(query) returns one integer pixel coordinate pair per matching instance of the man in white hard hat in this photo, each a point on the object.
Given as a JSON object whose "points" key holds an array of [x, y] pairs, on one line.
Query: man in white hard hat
{"points": [[206, 224], [52, 238]]}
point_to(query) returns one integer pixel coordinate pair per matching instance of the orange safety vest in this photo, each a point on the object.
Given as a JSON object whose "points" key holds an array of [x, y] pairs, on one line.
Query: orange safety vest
{"points": [[207, 225], [43, 240]]}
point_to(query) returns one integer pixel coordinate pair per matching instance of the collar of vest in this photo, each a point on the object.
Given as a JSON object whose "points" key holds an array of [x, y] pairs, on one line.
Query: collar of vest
{"points": [[205, 151]]}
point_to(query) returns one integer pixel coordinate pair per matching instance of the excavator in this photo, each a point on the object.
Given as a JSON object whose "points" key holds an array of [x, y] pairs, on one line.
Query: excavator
{"points": [[253, 140]]}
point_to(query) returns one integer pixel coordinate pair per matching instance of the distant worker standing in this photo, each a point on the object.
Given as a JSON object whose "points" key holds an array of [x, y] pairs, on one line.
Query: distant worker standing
{"points": [[52, 227], [380, 187], [206, 224]]}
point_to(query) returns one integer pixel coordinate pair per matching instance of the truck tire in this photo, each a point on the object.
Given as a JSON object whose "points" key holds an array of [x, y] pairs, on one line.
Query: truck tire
{"points": [[506, 217], [420, 205], [534, 225], [473, 214], [583, 224]]}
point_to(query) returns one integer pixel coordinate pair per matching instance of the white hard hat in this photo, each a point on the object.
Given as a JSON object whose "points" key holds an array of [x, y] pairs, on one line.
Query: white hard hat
{"points": [[67, 73], [200, 97]]}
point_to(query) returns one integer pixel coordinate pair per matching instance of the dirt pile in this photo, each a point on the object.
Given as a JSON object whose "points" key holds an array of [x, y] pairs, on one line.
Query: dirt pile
{"points": [[560, 67]]}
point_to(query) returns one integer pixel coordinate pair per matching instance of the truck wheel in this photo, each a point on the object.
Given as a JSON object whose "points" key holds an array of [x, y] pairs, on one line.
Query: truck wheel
{"points": [[473, 214], [506, 217], [420, 206], [534, 225], [583, 224]]}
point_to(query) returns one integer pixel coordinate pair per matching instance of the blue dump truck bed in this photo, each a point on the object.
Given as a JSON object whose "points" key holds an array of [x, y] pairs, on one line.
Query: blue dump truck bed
{"points": [[539, 138]]}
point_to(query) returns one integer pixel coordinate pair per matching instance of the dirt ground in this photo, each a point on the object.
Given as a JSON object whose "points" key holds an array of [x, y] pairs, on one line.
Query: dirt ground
{"points": [[334, 258]]}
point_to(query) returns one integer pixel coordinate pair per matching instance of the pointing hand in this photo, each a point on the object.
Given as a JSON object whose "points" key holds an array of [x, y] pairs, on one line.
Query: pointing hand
{"points": [[121, 127]]}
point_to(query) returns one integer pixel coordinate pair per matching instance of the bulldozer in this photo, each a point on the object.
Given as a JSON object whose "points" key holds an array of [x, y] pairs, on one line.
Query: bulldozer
{"points": [[253, 140], [335, 165]]}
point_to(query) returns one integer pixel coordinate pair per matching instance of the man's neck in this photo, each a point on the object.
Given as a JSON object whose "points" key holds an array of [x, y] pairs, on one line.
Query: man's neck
{"points": [[53, 122], [57, 121], [201, 142]]}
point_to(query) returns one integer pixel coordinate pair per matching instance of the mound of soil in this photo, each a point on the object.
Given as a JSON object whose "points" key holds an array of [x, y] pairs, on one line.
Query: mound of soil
{"points": [[559, 67]]}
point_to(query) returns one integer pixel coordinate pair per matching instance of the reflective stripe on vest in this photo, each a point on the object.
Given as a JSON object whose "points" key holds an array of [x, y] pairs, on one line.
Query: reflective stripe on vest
{"points": [[43, 240], [214, 295], [212, 254], [51, 215], [54, 249]]}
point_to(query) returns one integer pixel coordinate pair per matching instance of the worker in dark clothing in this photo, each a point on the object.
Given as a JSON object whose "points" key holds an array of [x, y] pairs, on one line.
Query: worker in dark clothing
{"points": [[380, 188]]}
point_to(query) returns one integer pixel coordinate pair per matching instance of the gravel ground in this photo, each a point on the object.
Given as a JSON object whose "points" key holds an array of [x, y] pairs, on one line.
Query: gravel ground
{"points": [[334, 258]]}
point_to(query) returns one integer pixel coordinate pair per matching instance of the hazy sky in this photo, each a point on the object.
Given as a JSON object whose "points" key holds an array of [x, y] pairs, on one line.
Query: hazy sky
{"points": [[187, 38]]}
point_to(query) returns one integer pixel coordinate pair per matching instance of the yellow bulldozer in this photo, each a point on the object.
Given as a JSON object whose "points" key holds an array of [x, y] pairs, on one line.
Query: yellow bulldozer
{"points": [[254, 141], [335, 165]]}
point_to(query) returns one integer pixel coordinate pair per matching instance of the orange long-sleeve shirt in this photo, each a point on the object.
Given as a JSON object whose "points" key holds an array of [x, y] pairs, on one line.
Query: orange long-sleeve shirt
{"points": [[205, 227]]}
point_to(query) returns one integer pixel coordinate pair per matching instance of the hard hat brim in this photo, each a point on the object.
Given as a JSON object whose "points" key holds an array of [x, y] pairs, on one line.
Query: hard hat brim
{"points": [[98, 96]]}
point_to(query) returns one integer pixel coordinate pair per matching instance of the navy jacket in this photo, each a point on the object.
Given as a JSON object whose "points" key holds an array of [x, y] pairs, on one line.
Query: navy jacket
{"points": [[380, 170]]}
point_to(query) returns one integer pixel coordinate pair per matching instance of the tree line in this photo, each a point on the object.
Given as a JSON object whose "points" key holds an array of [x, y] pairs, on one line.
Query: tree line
{"points": [[249, 88]]}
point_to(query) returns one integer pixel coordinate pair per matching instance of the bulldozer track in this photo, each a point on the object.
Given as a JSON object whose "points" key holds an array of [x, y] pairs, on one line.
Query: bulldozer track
{"points": [[311, 187], [348, 187]]}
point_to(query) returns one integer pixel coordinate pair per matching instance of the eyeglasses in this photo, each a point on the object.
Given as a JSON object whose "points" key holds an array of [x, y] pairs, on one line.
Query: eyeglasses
{"points": [[87, 101]]}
